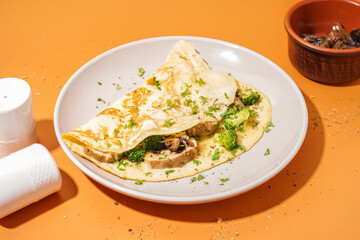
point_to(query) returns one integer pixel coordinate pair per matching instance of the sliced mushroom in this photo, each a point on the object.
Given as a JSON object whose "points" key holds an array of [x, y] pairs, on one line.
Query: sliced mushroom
{"points": [[342, 45], [172, 144], [169, 159], [202, 129], [338, 34], [317, 40], [238, 102], [337, 38], [355, 36], [184, 140], [100, 156]]}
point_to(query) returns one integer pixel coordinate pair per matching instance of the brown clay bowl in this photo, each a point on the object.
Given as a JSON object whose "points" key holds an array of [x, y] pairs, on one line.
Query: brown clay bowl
{"points": [[321, 64]]}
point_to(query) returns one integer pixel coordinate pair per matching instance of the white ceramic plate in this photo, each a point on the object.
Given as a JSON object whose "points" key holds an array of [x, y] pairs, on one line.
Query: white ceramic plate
{"points": [[77, 103]]}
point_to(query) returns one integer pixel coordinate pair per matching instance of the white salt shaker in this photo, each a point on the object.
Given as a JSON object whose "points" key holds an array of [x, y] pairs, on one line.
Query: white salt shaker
{"points": [[17, 124], [26, 176]]}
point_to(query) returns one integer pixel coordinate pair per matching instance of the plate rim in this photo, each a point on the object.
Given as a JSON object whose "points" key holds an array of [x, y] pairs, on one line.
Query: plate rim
{"points": [[178, 199]]}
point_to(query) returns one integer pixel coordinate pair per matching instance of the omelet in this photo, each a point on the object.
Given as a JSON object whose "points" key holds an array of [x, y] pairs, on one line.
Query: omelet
{"points": [[184, 102]]}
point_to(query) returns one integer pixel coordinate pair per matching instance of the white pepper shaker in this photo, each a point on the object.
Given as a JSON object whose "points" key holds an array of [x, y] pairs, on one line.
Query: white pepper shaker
{"points": [[26, 176], [17, 124]]}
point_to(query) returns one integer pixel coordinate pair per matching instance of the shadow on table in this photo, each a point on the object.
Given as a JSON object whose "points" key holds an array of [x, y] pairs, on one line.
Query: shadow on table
{"points": [[46, 134], [271, 193], [348, 84], [68, 190]]}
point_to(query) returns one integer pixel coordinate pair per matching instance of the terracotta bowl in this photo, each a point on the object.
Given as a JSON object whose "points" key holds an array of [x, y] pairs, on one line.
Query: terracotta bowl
{"points": [[321, 64]]}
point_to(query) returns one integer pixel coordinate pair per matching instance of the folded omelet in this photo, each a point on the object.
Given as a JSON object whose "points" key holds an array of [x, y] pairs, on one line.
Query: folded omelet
{"points": [[185, 103]]}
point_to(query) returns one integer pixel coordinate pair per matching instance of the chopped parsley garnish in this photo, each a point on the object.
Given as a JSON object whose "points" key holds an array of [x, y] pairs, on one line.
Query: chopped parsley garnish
{"points": [[203, 100], [187, 102], [183, 57], [121, 163], [185, 92], [148, 173], [138, 182], [141, 72], [168, 123], [118, 87], [230, 111], [160, 157], [224, 179], [233, 152], [99, 100], [200, 82], [108, 145], [169, 171], [210, 114], [267, 152], [100, 83], [214, 108], [188, 86], [241, 148], [197, 138], [116, 131], [206, 183], [215, 156], [196, 162], [226, 96], [267, 126], [200, 177], [116, 156], [157, 83], [194, 109], [95, 139], [132, 123], [170, 104]]}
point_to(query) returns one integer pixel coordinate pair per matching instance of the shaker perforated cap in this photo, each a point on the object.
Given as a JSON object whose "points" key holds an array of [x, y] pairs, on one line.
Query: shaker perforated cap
{"points": [[26, 176]]}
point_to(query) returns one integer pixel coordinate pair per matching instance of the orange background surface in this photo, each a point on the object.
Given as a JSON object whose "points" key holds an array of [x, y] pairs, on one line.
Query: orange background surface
{"points": [[317, 196]]}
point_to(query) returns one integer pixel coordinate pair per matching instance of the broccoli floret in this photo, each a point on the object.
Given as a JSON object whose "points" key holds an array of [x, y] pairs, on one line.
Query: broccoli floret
{"points": [[154, 143], [136, 154], [237, 120], [249, 97], [227, 139], [231, 111]]}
